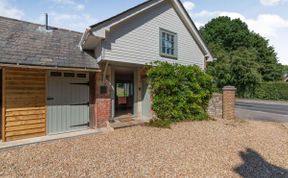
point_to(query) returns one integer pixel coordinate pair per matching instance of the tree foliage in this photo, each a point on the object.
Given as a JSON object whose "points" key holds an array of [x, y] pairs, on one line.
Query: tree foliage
{"points": [[179, 92], [244, 74], [244, 58]]}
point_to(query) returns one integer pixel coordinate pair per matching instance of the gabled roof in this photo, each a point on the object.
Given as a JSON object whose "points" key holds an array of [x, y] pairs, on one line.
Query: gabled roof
{"points": [[122, 13], [99, 30], [25, 43]]}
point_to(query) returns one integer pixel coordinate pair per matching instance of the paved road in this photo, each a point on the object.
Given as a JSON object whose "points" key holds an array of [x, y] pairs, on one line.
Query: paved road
{"points": [[262, 110]]}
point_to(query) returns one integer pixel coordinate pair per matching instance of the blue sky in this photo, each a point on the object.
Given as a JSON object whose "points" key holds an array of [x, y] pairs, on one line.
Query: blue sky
{"points": [[267, 17]]}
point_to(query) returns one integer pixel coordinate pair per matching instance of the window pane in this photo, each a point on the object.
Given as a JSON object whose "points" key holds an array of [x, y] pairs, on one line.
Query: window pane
{"points": [[168, 43], [168, 51]]}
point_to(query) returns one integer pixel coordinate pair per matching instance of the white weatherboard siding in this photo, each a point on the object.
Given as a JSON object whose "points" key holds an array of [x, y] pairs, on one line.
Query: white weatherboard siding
{"points": [[137, 39]]}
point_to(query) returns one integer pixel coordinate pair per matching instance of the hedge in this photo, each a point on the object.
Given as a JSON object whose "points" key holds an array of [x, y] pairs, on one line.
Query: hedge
{"points": [[272, 91], [179, 92]]}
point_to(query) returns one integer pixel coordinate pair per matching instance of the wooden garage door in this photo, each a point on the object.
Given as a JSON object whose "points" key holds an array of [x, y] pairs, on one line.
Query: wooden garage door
{"points": [[24, 103], [68, 102]]}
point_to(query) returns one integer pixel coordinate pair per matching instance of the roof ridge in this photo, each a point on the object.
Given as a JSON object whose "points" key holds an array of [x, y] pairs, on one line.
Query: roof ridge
{"points": [[33, 23]]}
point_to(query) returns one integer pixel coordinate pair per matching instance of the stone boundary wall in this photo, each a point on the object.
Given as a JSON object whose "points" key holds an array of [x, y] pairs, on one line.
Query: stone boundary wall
{"points": [[215, 108]]}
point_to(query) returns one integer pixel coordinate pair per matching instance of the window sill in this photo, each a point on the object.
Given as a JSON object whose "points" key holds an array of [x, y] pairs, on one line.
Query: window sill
{"points": [[168, 56]]}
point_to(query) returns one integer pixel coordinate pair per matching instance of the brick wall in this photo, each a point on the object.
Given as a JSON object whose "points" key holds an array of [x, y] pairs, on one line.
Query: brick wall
{"points": [[103, 102], [229, 102], [223, 105]]}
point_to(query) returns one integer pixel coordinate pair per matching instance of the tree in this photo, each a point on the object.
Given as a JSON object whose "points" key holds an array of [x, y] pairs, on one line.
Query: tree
{"points": [[285, 71], [219, 68], [227, 33], [269, 67], [239, 50], [244, 71]]}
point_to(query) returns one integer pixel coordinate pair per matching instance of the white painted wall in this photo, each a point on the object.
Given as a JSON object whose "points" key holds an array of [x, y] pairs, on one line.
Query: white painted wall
{"points": [[137, 40]]}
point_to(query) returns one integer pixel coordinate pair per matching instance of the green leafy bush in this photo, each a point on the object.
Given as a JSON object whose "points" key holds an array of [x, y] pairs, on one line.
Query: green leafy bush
{"points": [[160, 123], [272, 91], [179, 92]]}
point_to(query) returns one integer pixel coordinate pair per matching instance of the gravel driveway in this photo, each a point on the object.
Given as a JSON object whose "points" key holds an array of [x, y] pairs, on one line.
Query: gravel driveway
{"points": [[193, 149]]}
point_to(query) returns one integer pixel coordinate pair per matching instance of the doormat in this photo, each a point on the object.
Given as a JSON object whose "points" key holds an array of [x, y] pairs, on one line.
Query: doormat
{"points": [[125, 119]]}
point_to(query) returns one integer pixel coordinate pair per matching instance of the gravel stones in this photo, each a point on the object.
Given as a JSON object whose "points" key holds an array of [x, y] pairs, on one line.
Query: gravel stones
{"points": [[189, 149]]}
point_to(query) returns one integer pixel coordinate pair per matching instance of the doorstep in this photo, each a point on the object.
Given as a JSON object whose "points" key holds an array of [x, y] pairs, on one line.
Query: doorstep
{"points": [[134, 122], [11, 144]]}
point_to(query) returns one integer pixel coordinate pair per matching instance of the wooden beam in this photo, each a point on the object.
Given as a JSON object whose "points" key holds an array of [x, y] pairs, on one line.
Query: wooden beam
{"points": [[105, 70], [50, 68], [46, 96], [3, 105]]}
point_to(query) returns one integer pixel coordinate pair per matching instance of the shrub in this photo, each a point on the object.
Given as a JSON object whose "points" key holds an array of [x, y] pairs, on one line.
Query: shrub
{"points": [[179, 92], [160, 123], [272, 91]]}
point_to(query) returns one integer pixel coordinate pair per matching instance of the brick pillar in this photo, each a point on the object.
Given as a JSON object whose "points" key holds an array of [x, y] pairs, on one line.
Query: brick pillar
{"points": [[103, 102], [229, 102]]}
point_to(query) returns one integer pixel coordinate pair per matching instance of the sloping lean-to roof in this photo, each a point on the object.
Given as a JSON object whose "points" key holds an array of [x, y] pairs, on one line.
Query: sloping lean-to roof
{"points": [[27, 44]]}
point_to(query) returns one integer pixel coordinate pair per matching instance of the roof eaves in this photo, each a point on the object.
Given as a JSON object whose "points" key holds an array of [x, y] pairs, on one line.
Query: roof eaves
{"points": [[196, 30], [120, 14]]}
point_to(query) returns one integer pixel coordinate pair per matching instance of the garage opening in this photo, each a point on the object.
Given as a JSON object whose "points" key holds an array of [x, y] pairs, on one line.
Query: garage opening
{"points": [[68, 102], [124, 94]]}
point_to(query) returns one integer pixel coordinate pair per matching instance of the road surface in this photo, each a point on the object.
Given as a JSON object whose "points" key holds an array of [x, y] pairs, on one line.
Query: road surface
{"points": [[262, 110]]}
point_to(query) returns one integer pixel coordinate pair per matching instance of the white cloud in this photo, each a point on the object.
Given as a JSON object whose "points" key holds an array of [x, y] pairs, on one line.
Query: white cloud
{"points": [[188, 5], [77, 22], [212, 14], [198, 24], [267, 24], [274, 28], [233, 15], [80, 7], [205, 13], [7, 10], [271, 2], [72, 3]]}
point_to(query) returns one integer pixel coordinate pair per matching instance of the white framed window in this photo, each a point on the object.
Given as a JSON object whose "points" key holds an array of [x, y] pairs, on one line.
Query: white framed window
{"points": [[168, 44]]}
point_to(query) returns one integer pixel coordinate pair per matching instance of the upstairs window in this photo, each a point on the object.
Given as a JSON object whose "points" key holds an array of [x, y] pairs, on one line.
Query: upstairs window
{"points": [[168, 44]]}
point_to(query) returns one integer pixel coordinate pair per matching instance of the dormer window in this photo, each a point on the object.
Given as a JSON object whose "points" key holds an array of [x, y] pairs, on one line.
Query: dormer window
{"points": [[168, 44]]}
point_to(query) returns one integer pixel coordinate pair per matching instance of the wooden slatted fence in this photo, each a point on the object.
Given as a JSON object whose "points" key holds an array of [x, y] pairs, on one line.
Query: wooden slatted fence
{"points": [[24, 103]]}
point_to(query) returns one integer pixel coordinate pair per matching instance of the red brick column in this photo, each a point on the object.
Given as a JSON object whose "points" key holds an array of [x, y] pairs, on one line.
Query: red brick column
{"points": [[229, 102], [103, 102]]}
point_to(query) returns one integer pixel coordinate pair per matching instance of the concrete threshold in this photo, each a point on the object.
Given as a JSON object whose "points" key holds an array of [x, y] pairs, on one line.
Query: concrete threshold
{"points": [[17, 143], [118, 124]]}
